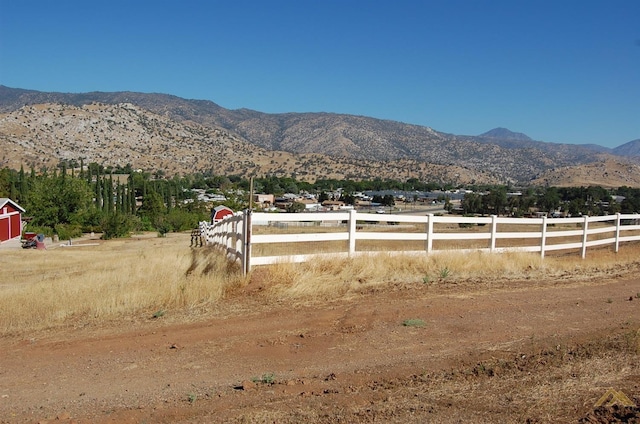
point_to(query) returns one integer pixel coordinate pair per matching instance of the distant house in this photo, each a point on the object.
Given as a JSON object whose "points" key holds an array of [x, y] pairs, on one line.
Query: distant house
{"points": [[219, 212], [264, 200], [310, 204], [333, 205], [10, 219]]}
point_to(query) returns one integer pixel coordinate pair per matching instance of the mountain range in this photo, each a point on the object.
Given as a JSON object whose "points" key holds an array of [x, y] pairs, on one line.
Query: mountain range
{"points": [[161, 131]]}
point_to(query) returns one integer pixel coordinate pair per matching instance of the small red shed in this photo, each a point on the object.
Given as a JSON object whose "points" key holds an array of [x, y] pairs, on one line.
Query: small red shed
{"points": [[219, 212], [10, 219]]}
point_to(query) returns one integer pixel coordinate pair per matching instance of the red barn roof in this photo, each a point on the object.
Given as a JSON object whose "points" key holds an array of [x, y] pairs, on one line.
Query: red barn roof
{"points": [[219, 212], [4, 201]]}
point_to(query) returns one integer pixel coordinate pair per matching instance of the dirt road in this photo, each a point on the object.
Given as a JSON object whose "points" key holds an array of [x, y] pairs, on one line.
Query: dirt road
{"points": [[517, 352]]}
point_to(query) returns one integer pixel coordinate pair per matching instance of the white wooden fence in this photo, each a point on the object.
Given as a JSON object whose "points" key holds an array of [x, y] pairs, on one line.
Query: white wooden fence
{"points": [[235, 234]]}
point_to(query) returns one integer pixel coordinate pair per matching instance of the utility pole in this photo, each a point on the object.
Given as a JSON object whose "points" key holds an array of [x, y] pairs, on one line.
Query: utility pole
{"points": [[251, 193]]}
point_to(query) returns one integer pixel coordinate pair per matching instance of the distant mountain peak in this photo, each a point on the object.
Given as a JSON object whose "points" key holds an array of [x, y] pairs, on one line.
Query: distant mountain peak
{"points": [[631, 148], [505, 134]]}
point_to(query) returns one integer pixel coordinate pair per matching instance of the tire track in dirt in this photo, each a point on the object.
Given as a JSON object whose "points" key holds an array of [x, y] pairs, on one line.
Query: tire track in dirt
{"points": [[325, 356]]}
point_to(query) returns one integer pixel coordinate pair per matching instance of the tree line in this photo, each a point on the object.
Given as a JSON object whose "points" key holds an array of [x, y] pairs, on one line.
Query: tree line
{"points": [[75, 198], [71, 201], [567, 201]]}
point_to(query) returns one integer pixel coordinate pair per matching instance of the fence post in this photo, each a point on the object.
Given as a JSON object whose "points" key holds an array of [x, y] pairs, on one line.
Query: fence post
{"points": [[543, 241], [233, 240], [429, 232], [246, 242], [494, 231], [203, 232], [352, 232], [585, 226], [617, 245]]}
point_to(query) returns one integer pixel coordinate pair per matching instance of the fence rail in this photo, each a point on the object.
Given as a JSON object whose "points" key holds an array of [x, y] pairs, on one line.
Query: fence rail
{"points": [[350, 231]]}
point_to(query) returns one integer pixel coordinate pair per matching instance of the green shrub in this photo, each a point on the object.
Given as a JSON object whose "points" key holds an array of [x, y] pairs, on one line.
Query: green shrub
{"points": [[268, 378], [68, 231], [145, 224], [445, 272], [118, 225], [163, 226], [47, 231], [414, 322], [181, 220]]}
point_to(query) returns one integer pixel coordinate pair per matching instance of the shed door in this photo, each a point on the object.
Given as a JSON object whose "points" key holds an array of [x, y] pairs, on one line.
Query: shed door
{"points": [[4, 228], [16, 226]]}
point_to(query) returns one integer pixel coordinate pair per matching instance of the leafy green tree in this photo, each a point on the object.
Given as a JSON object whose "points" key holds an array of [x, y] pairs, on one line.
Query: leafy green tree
{"points": [[118, 225], [5, 182], [575, 207], [448, 206], [182, 220], [22, 185], [98, 192], [527, 201], [388, 200], [296, 207], [107, 196], [152, 207], [348, 199], [471, 203], [163, 225], [549, 200], [495, 201], [631, 202], [323, 196], [292, 187], [52, 201]]}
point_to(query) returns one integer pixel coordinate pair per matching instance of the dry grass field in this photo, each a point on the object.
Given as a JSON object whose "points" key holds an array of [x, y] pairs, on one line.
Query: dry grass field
{"points": [[115, 279], [148, 329]]}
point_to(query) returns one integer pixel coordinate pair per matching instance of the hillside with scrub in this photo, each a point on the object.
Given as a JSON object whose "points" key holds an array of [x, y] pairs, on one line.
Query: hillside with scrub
{"points": [[164, 132]]}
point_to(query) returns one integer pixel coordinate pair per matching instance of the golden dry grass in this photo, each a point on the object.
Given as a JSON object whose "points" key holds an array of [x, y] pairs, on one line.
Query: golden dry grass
{"points": [[116, 279], [323, 278], [146, 275]]}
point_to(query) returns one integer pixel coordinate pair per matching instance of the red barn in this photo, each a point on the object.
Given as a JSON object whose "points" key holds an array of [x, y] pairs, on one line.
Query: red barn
{"points": [[219, 212], [10, 219]]}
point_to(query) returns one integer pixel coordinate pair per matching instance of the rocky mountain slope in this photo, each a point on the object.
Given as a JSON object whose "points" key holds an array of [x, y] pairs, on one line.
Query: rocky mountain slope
{"points": [[162, 131], [42, 135], [630, 149], [610, 173]]}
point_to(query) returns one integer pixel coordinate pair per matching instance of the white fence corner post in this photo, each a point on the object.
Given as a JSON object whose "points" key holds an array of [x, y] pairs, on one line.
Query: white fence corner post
{"points": [[494, 232], [246, 242], [543, 240], [352, 232], [585, 234]]}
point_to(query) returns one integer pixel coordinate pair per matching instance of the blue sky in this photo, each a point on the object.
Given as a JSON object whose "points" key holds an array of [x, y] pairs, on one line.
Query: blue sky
{"points": [[562, 71]]}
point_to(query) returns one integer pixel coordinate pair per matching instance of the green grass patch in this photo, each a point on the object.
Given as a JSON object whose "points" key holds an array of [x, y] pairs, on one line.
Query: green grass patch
{"points": [[414, 322]]}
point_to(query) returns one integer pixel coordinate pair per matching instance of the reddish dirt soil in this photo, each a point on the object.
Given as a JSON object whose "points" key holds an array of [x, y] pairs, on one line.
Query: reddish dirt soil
{"points": [[516, 352]]}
